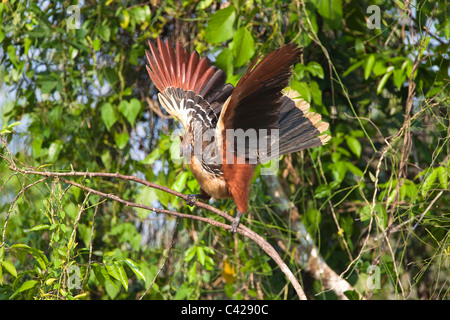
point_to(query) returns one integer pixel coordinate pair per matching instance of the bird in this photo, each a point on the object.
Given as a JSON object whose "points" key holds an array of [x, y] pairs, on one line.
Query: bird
{"points": [[195, 92]]}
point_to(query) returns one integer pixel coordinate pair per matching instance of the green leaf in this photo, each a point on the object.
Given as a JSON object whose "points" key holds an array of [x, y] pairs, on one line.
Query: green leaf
{"points": [[372, 177], [111, 289], [193, 184], [322, 191], [331, 11], [38, 228], [184, 291], [408, 189], [37, 146], [140, 14], [429, 181], [111, 75], [400, 4], [314, 217], [180, 183], [130, 110], [10, 268], [96, 44], [192, 272], [315, 69], [316, 93], [354, 169], [8, 129], [27, 285], [46, 85], [135, 268], [124, 19], [201, 255], [152, 157], [12, 55], [303, 89], [104, 32], [399, 77], [351, 294], [385, 78], [121, 139], [108, 115], [338, 170], [102, 276], [364, 213], [203, 4], [379, 68], [220, 25], [243, 46], [189, 254], [354, 146], [106, 159], [224, 61], [442, 174], [54, 150], [353, 67], [117, 271], [381, 214], [20, 246], [369, 66]]}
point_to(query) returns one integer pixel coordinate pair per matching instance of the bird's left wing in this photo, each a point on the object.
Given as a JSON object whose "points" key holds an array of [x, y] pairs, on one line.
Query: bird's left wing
{"points": [[255, 102], [190, 89]]}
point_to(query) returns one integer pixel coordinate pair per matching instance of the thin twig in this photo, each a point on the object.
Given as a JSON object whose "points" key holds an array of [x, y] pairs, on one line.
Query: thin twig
{"points": [[90, 244]]}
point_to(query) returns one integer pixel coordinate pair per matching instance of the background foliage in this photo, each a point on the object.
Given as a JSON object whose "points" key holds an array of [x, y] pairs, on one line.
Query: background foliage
{"points": [[376, 195]]}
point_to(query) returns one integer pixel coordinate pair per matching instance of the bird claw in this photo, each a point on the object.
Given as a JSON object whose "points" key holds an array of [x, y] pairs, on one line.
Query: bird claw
{"points": [[191, 199], [236, 222]]}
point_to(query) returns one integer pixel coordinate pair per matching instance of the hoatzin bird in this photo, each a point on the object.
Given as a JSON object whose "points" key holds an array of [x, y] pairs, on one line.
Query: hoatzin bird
{"points": [[198, 96]]}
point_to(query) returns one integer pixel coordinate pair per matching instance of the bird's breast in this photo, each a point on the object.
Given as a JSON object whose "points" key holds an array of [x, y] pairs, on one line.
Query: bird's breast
{"points": [[211, 183]]}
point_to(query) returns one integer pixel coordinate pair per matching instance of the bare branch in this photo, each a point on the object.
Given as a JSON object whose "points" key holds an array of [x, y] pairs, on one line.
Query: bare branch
{"points": [[243, 230]]}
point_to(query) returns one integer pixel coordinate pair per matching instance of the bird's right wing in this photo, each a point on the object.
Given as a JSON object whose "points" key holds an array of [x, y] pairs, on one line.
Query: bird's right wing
{"points": [[190, 89]]}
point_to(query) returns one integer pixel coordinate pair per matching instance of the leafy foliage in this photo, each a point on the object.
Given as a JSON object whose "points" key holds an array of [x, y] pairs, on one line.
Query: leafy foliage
{"points": [[80, 99]]}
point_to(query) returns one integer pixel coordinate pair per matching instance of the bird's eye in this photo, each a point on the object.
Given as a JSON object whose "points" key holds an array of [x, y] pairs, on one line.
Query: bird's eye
{"points": [[181, 138]]}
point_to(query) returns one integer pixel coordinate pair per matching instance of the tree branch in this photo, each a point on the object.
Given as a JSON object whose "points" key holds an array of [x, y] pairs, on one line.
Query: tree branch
{"points": [[307, 254], [243, 230]]}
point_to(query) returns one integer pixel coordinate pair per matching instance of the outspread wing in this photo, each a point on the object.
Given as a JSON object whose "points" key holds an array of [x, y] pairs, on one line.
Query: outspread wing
{"points": [[256, 100], [190, 89]]}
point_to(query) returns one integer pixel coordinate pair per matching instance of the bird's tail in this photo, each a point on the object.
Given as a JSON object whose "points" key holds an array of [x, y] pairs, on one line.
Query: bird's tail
{"points": [[298, 128]]}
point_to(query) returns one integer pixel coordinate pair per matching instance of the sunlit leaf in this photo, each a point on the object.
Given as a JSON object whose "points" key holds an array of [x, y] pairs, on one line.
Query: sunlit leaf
{"points": [[220, 25], [243, 46], [9, 267], [108, 115]]}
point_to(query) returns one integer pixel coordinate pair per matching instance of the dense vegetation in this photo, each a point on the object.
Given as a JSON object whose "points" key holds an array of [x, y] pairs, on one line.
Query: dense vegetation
{"points": [[75, 96]]}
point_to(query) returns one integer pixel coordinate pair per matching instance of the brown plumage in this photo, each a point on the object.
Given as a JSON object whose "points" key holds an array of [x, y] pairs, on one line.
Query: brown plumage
{"points": [[196, 94]]}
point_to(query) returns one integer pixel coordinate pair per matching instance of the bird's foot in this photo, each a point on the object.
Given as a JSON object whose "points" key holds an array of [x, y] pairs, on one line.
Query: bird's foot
{"points": [[236, 222], [191, 199]]}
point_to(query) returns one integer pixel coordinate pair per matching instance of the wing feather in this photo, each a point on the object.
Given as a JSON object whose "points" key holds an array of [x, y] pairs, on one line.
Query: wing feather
{"points": [[256, 100], [178, 74]]}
